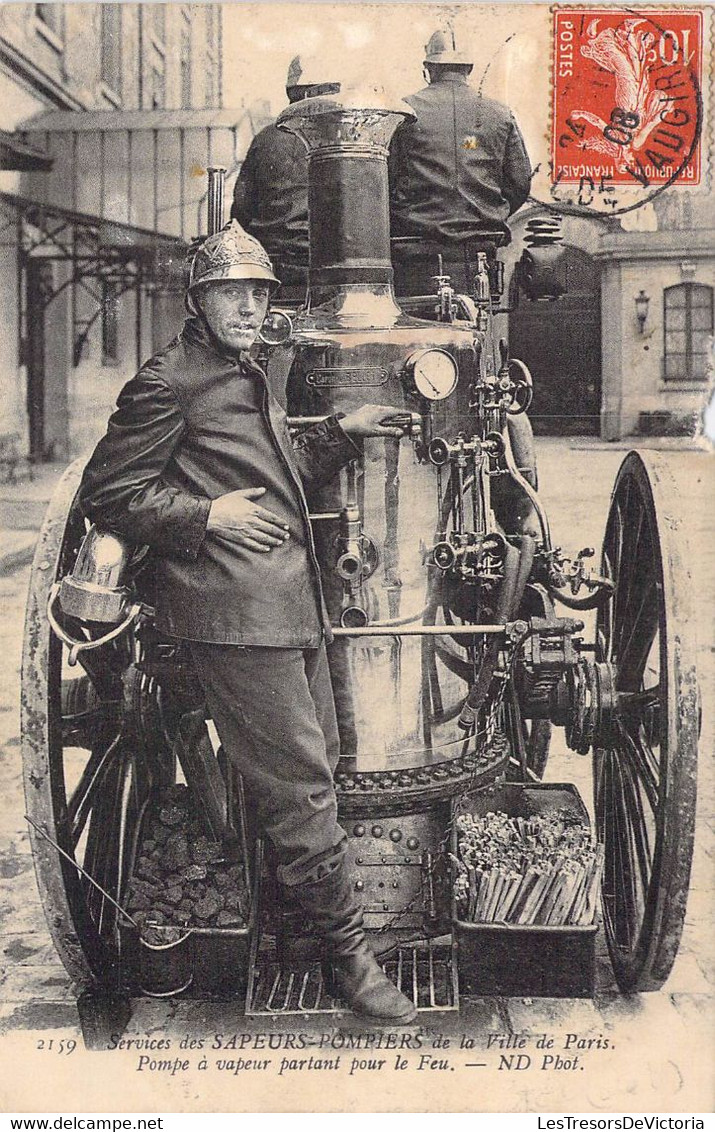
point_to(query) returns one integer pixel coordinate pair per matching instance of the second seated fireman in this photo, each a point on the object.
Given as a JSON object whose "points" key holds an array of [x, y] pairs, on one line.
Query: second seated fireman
{"points": [[270, 197], [457, 172]]}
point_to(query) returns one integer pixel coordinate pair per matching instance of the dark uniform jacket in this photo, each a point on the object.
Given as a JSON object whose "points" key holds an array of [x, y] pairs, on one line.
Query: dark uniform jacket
{"points": [[194, 424], [460, 169], [270, 198]]}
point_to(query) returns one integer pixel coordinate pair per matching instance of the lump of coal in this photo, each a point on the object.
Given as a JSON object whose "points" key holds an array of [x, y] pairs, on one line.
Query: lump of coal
{"points": [[208, 906], [171, 815], [203, 851], [182, 877], [194, 872], [144, 868], [160, 935], [222, 881], [176, 854], [226, 919]]}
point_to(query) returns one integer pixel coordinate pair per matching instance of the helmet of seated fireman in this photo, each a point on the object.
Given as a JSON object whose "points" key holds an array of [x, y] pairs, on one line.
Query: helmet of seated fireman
{"points": [[231, 254], [308, 75], [442, 48]]}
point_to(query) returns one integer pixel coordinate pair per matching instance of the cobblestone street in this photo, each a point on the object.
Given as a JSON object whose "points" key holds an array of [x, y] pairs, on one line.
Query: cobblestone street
{"points": [[663, 1039]]}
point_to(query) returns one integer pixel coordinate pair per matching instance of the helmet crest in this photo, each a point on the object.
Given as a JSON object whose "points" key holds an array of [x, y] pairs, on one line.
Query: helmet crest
{"points": [[230, 254]]}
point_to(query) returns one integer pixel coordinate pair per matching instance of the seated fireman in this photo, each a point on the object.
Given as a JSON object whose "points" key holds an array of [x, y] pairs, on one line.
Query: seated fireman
{"points": [[457, 173], [270, 197], [197, 463]]}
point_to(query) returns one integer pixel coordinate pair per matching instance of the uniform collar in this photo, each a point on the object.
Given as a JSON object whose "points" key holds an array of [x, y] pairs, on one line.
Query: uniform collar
{"points": [[463, 79], [197, 333]]}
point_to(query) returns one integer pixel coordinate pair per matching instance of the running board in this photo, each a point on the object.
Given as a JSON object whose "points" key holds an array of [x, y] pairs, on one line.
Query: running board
{"points": [[425, 972]]}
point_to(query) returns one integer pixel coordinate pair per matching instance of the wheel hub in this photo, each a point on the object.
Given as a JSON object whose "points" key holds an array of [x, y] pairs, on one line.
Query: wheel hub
{"points": [[585, 703]]}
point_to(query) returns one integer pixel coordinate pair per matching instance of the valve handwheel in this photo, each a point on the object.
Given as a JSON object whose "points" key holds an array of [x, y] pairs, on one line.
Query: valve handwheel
{"points": [[520, 375], [645, 773]]}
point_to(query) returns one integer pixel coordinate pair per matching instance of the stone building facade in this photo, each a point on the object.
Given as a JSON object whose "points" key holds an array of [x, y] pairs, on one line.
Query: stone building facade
{"points": [[109, 117]]}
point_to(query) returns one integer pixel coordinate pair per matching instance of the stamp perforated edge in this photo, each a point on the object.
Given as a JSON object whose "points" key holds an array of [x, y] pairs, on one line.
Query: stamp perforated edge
{"points": [[707, 96]]}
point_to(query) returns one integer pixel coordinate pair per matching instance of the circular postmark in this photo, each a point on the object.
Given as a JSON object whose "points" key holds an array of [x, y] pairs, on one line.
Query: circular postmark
{"points": [[626, 115]]}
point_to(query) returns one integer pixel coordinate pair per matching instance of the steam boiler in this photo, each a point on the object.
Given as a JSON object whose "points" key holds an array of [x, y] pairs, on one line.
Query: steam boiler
{"points": [[459, 643]]}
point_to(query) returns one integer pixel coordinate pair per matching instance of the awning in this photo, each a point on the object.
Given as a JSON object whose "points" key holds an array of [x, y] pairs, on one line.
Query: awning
{"points": [[18, 156], [106, 234], [95, 251]]}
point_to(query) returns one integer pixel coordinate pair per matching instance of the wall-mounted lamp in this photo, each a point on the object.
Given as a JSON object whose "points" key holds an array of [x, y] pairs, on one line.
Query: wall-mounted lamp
{"points": [[642, 300]]}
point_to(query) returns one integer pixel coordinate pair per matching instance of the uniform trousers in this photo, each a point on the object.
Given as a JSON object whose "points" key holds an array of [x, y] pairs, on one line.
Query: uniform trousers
{"points": [[274, 712]]}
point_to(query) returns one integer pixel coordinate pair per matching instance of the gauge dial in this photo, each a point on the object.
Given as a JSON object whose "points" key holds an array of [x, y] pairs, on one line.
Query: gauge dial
{"points": [[432, 373]]}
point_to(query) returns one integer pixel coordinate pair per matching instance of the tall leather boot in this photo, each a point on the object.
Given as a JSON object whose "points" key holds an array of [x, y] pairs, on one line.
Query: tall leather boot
{"points": [[351, 970]]}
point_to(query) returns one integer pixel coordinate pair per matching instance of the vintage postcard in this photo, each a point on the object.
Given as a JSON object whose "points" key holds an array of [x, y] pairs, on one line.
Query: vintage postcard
{"points": [[354, 674]]}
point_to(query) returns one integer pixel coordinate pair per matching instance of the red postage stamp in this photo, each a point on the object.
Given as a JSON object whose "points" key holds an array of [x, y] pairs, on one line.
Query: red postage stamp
{"points": [[627, 109]]}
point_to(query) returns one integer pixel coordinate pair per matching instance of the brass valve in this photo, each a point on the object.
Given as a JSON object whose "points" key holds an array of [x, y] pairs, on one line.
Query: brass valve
{"points": [[470, 553], [457, 451], [445, 295]]}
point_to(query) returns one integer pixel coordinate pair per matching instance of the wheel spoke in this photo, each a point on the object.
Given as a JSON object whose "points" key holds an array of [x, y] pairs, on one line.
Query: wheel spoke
{"points": [[611, 879], [626, 926], [90, 783], [628, 572], [635, 555], [604, 619], [640, 626], [643, 762], [108, 850], [640, 839]]}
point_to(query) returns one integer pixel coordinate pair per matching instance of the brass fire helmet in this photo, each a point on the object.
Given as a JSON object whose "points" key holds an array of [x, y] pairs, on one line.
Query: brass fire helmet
{"points": [[231, 254], [442, 48], [95, 590]]}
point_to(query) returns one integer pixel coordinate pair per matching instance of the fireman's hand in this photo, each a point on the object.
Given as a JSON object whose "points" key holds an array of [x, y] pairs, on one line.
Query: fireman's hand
{"points": [[372, 420], [236, 517]]}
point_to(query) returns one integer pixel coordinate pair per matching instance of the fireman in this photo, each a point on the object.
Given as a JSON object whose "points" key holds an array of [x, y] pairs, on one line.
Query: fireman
{"points": [[197, 463], [270, 198], [457, 173]]}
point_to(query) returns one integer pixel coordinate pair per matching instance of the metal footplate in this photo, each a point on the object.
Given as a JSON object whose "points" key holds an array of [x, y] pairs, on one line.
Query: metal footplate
{"points": [[425, 972]]}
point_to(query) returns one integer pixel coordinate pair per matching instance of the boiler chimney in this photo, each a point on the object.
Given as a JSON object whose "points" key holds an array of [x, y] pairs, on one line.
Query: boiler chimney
{"points": [[347, 136]]}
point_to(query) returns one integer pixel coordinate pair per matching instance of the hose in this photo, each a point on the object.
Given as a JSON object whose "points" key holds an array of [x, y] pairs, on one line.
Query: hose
{"points": [[592, 601]]}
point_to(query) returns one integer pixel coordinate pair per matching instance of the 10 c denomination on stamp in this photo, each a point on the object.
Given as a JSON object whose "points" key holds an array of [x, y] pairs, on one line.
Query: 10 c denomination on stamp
{"points": [[627, 110]]}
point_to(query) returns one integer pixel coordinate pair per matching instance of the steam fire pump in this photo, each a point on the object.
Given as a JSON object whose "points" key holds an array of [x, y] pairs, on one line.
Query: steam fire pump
{"points": [[460, 641]]}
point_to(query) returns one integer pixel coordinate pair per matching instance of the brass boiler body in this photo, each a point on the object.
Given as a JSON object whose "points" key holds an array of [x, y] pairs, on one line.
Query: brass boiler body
{"points": [[398, 697]]}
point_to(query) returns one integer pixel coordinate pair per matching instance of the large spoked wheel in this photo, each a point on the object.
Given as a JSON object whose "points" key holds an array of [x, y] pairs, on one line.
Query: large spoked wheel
{"points": [[645, 773], [89, 766]]}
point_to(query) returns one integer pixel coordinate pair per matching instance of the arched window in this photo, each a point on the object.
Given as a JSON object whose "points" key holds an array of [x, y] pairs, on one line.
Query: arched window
{"points": [[688, 331]]}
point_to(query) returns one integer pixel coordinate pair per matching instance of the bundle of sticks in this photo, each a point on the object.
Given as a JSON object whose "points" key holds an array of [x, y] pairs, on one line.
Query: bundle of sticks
{"points": [[539, 870]]}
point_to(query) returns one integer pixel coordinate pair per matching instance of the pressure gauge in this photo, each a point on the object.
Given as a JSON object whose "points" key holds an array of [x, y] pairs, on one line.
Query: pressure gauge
{"points": [[431, 373]]}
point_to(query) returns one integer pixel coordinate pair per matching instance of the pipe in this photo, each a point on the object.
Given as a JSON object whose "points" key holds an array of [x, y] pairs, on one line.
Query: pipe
{"points": [[422, 631], [528, 491], [216, 190], [526, 561], [591, 601]]}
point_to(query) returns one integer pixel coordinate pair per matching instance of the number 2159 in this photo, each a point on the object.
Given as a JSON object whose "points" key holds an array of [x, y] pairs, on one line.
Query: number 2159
{"points": [[57, 1045]]}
